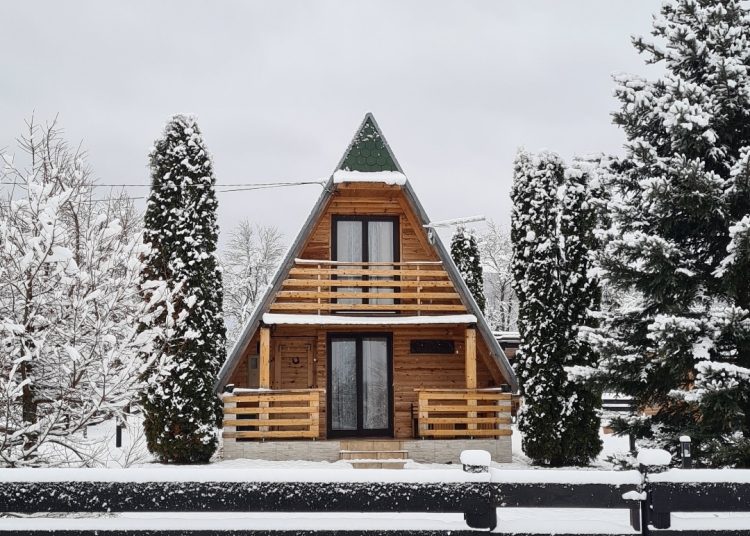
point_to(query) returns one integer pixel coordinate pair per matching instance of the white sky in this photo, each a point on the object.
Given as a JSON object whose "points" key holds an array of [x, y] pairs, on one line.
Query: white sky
{"points": [[280, 86]]}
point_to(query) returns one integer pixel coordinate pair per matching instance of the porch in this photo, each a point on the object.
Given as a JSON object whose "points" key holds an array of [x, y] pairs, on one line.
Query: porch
{"points": [[274, 424]]}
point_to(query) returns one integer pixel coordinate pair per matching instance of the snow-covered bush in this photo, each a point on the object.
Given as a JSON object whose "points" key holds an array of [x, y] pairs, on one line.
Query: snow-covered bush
{"points": [[69, 305], [465, 254], [181, 409], [552, 235]]}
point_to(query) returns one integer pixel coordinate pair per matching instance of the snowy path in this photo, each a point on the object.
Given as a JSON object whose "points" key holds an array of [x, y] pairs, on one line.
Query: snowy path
{"points": [[510, 520]]}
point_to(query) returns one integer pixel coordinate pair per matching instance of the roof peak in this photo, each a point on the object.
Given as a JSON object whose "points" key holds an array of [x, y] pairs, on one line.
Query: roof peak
{"points": [[368, 151]]}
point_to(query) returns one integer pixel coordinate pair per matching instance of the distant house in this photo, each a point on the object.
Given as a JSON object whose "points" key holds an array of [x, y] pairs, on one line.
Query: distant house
{"points": [[368, 340], [509, 341]]}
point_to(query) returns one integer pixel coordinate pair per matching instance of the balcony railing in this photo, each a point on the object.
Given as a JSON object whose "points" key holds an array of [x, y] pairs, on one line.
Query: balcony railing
{"points": [[414, 287], [272, 414], [462, 413]]}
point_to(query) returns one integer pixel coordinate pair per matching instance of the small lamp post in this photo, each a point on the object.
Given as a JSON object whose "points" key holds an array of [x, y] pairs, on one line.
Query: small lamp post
{"points": [[685, 452]]}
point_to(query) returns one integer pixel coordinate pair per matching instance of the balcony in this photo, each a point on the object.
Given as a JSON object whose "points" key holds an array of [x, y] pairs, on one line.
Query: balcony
{"points": [[323, 287]]}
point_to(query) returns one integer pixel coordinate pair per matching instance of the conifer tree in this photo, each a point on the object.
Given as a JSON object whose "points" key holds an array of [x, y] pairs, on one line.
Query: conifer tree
{"points": [[551, 235], [180, 226], [465, 254], [679, 236]]}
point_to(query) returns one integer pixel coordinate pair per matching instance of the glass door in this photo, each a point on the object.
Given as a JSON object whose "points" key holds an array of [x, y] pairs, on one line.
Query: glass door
{"points": [[360, 385], [362, 240]]}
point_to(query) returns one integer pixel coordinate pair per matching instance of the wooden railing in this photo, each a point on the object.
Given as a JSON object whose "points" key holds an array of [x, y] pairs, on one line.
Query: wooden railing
{"points": [[279, 414], [462, 413], [325, 286]]}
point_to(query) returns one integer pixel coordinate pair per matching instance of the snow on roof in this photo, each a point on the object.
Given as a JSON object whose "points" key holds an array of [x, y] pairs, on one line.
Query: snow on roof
{"points": [[272, 318], [387, 177], [507, 335]]}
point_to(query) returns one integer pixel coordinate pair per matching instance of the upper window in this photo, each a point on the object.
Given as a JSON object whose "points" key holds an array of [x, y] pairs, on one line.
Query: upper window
{"points": [[362, 240]]}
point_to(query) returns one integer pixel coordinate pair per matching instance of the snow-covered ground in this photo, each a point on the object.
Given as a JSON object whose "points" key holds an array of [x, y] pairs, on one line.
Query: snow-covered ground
{"points": [[140, 466]]}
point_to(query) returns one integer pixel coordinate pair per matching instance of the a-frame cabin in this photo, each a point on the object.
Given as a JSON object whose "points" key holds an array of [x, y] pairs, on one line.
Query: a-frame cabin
{"points": [[368, 340]]}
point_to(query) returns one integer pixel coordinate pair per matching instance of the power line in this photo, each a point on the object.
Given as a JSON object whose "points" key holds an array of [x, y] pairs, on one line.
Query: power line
{"points": [[240, 187], [239, 184]]}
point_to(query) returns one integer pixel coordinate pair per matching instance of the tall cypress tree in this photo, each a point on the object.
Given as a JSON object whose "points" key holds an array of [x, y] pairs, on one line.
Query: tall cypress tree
{"points": [[466, 256], [680, 233], [180, 226], [551, 234]]}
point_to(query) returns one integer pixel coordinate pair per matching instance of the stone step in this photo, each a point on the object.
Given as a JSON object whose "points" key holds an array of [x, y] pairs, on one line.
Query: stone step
{"points": [[373, 454], [371, 444], [378, 464]]}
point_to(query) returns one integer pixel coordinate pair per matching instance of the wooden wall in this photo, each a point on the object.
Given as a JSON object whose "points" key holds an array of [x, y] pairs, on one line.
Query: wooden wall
{"points": [[410, 371], [370, 199]]}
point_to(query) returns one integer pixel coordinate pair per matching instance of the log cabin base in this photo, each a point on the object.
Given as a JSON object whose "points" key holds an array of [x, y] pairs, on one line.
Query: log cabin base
{"points": [[417, 450]]}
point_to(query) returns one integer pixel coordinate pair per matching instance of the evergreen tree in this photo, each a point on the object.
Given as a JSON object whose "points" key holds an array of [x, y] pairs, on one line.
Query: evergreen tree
{"points": [[679, 236], [551, 235], [465, 253], [180, 406]]}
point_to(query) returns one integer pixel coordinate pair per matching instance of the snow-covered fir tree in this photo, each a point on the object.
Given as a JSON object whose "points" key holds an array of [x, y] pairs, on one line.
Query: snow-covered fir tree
{"points": [[248, 264], [551, 233], [180, 406], [69, 305], [679, 236], [465, 253]]}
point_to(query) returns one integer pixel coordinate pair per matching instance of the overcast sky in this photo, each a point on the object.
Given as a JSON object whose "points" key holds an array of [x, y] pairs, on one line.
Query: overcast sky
{"points": [[280, 86]]}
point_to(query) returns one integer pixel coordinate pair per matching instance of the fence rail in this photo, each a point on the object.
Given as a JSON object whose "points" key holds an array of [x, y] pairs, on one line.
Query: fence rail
{"points": [[277, 414], [463, 413]]}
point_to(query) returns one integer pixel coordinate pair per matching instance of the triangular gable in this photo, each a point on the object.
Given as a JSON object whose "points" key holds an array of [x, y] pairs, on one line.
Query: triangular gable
{"points": [[368, 142], [368, 150]]}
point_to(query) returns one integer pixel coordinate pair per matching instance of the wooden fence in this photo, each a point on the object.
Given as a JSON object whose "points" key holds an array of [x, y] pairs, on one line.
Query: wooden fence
{"points": [[463, 413], [277, 414]]}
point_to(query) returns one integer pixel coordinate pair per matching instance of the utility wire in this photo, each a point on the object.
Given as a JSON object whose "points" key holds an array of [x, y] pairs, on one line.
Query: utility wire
{"points": [[240, 187]]}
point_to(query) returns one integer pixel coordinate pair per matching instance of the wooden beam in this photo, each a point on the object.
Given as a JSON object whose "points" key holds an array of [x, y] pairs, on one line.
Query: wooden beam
{"points": [[329, 295], [471, 373], [471, 358], [264, 372], [359, 283], [292, 306], [369, 272]]}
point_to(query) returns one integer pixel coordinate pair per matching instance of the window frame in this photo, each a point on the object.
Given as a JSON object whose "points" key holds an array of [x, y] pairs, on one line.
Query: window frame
{"points": [[365, 219]]}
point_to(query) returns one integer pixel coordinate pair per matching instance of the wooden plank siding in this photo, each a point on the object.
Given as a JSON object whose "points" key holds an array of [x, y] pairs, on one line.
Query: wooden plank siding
{"points": [[410, 371]]}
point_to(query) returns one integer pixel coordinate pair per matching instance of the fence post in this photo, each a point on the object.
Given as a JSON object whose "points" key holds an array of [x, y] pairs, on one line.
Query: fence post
{"points": [[481, 514], [658, 460], [685, 452], [118, 434]]}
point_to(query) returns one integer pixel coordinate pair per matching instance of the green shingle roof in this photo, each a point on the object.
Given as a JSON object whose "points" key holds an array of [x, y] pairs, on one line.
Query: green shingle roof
{"points": [[368, 151]]}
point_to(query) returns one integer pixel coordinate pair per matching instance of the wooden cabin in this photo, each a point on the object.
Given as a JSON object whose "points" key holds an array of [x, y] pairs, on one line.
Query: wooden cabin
{"points": [[368, 344]]}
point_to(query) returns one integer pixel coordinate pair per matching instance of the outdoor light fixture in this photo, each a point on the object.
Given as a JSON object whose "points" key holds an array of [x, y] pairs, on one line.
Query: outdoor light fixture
{"points": [[687, 458]]}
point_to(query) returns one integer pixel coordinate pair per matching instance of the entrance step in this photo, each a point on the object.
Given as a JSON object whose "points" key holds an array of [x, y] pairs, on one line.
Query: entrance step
{"points": [[378, 463], [373, 454], [371, 444]]}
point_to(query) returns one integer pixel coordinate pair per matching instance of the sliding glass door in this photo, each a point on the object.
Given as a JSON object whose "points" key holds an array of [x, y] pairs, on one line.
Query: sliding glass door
{"points": [[360, 384], [361, 240]]}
